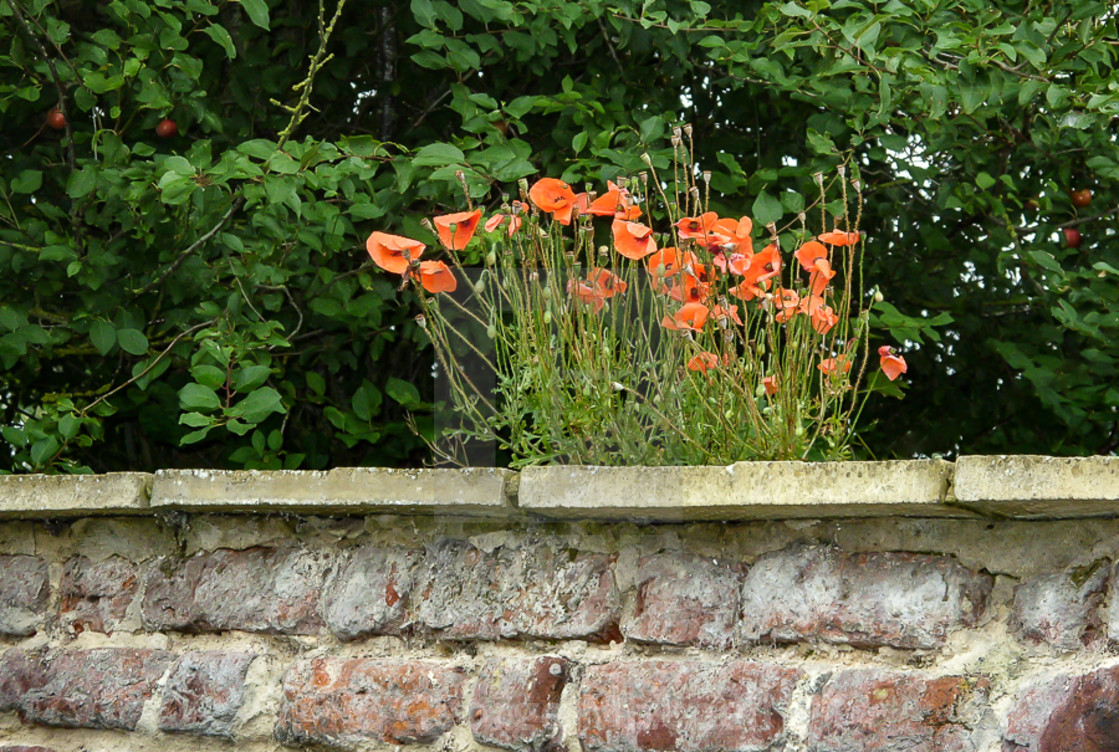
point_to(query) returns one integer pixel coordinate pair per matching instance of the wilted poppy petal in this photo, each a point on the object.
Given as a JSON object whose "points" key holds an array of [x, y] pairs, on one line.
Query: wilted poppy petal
{"points": [[393, 253], [436, 276], [703, 361], [770, 384], [456, 230], [891, 365], [835, 365]]}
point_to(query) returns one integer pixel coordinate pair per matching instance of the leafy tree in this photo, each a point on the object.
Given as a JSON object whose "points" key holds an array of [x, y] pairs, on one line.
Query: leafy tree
{"points": [[204, 299]]}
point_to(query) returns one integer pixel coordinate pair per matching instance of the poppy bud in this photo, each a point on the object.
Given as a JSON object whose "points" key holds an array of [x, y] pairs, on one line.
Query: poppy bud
{"points": [[878, 296], [617, 387], [587, 390], [491, 258], [646, 158], [547, 316], [491, 331], [818, 177], [857, 185], [421, 321], [480, 286], [760, 391]]}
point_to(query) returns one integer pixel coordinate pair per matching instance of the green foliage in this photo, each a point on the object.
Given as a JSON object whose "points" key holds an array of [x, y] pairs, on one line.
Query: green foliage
{"points": [[137, 266]]}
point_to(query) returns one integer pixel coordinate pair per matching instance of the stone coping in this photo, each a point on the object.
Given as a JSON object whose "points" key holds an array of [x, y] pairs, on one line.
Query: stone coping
{"points": [[1006, 486]]}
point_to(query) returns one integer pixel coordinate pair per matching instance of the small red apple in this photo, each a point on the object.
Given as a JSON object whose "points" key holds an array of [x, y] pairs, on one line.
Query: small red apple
{"points": [[1081, 198], [1072, 237], [166, 128], [56, 120]]}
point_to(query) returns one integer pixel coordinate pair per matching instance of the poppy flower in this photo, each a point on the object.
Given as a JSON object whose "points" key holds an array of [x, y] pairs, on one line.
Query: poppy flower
{"points": [[734, 262], [435, 276], [891, 365], [586, 293], [691, 287], [632, 240], [764, 265], [513, 217], [456, 230], [809, 253], [555, 197], [823, 317], [667, 262], [788, 303], [697, 228], [770, 384], [703, 361], [834, 365], [734, 235], [614, 203], [606, 282], [835, 237], [821, 275], [746, 290], [729, 312], [690, 316], [393, 253]]}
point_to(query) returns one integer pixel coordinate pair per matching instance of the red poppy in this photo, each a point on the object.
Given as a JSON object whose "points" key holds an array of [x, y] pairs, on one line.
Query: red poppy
{"points": [[747, 290], [821, 275], [693, 286], [513, 217], [393, 253], [586, 293], [835, 237], [788, 303], [606, 282], [770, 384], [703, 361], [734, 235], [697, 227], [729, 312], [435, 276], [834, 365], [690, 316], [823, 317], [809, 253], [554, 197], [614, 203], [632, 240], [891, 365], [667, 262], [763, 265], [456, 230]]}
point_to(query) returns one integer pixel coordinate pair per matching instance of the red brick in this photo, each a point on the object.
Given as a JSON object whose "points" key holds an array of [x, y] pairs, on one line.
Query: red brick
{"points": [[96, 595], [104, 688], [269, 590], [874, 711], [684, 705], [685, 600], [204, 692], [902, 600], [350, 701], [20, 672], [537, 590], [516, 703], [371, 591], [1067, 714], [24, 593], [1060, 609]]}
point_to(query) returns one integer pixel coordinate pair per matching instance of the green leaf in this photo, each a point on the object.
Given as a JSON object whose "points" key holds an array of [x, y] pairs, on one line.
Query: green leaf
{"points": [[984, 181], [258, 405], [1045, 260], [132, 341], [28, 181], [438, 155], [198, 397], [404, 393], [68, 426], [219, 34], [766, 209], [103, 336], [196, 420], [257, 11], [43, 450], [208, 376], [250, 377]]}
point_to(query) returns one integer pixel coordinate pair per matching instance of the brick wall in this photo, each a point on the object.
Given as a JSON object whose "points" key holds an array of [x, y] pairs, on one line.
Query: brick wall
{"points": [[179, 629]]}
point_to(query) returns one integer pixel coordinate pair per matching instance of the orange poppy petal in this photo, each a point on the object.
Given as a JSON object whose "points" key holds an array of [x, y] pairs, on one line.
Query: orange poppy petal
{"points": [[393, 253], [551, 195], [835, 237], [456, 230], [436, 276]]}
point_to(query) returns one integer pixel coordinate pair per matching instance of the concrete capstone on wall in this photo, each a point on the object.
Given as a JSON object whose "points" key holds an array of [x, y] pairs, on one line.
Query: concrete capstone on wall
{"points": [[772, 608]]}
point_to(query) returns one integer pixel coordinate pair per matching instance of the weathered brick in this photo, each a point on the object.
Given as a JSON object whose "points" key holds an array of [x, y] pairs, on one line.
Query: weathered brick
{"points": [[103, 688], [555, 593], [204, 692], [516, 703], [24, 592], [1060, 609], [345, 702], [684, 599], [688, 706], [270, 590], [1113, 605], [370, 593], [538, 590], [902, 600], [875, 711], [24, 748], [20, 672], [1067, 714], [96, 595]]}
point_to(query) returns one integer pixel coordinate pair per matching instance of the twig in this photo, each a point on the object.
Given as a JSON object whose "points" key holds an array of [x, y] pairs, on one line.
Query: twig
{"points": [[233, 207]]}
